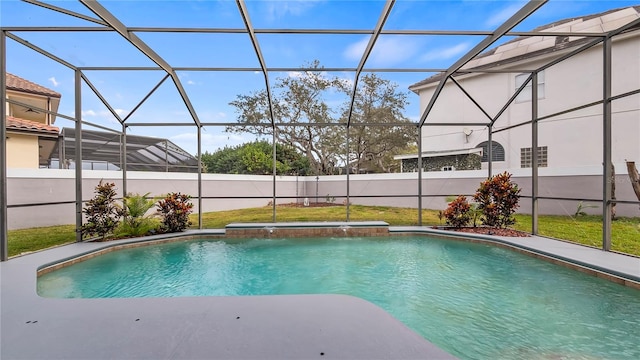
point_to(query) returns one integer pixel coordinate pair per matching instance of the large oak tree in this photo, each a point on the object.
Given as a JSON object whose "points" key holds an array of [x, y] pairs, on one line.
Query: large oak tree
{"points": [[305, 121]]}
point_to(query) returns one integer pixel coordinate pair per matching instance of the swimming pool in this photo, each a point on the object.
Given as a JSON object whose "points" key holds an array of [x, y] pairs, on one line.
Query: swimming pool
{"points": [[472, 300]]}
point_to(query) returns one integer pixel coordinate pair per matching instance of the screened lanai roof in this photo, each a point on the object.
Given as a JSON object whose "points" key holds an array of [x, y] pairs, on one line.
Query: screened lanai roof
{"points": [[248, 39], [143, 153], [171, 47]]}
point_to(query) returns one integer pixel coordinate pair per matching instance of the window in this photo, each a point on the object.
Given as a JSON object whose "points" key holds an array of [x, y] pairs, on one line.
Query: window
{"points": [[497, 151], [526, 156], [525, 95]]}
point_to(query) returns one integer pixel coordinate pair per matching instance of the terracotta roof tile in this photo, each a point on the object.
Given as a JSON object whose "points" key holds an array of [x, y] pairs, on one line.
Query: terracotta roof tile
{"points": [[14, 123], [19, 84]]}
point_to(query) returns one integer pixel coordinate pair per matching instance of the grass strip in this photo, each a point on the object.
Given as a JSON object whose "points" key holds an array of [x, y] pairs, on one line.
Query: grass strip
{"points": [[586, 230]]}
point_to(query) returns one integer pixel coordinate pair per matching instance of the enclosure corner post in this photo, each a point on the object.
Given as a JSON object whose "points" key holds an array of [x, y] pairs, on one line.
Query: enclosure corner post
{"points": [[534, 153], [123, 159], [606, 145], [419, 175], [4, 233], [199, 177], [78, 159]]}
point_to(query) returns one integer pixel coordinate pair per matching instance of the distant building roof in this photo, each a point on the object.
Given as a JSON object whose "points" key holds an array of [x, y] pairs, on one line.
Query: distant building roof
{"points": [[17, 83], [525, 47], [14, 123], [143, 153]]}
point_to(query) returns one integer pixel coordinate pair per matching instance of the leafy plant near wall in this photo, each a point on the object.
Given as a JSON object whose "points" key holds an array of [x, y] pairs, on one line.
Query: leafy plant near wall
{"points": [[475, 213], [102, 213], [457, 213], [135, 222], [498, 198], [581, 207], [175, 209]]}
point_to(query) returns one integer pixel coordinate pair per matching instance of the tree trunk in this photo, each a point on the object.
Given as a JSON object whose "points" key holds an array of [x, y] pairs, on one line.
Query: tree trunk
{"points": [[634, 176]]}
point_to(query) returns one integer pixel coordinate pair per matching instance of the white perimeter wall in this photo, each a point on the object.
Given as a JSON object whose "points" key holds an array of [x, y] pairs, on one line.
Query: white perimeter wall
{"points": [[28, 186]]}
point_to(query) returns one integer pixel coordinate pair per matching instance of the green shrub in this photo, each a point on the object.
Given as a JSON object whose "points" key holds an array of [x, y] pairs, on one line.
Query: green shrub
{"points": [[498, 198], [457, 213], [135, 222], [102, 213], [175, 209]]}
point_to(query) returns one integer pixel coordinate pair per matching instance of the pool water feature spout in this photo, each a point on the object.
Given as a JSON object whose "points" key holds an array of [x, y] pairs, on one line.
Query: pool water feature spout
{"points": [[269, 230]]}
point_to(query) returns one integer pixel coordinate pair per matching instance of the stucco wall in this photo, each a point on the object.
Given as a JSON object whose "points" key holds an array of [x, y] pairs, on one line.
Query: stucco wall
{"points": [[22, 151], [27, 186], [573, 139]]}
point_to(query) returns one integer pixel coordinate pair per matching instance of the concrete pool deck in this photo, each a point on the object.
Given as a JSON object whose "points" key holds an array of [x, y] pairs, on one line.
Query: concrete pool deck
{"points": [[257, 327]]}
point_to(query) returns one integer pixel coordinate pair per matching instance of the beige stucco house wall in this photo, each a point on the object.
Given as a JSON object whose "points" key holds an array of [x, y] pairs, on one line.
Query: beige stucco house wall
{"points": [[31, 135], [22, 151]]}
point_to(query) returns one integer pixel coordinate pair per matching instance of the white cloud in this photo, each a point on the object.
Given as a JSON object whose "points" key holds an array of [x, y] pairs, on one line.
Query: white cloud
{"points": [[191, 82], [278, 9], [53, 81], [103, 114], [355, 51], [386, 52], [294, 74], [446, 53], [501, 16]]}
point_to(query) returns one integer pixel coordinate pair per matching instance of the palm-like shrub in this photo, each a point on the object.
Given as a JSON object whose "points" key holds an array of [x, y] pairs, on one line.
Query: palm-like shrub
{"points": [[457, 213], [175, 209], [102, 214], [497, 198], [135, 221]]}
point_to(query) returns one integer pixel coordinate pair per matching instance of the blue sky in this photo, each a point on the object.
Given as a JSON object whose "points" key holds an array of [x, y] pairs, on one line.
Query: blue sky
{"points": [[211, 92]]}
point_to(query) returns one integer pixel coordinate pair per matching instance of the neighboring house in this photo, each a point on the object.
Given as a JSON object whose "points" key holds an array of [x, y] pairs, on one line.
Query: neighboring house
{"points": [[574, 139], [31, 135], [33, 141]]}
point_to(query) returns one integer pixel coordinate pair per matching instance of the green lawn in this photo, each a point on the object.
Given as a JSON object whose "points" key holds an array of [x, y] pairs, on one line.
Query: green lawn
{"points": [[584, 230]]}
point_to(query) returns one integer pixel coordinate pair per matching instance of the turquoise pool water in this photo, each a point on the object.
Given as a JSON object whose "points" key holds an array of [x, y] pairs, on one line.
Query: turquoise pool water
{"points": [[472, 300]]}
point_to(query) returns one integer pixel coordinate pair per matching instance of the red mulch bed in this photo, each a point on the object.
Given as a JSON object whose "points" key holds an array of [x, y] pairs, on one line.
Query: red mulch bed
{"points": [[475, 230], [487, 231]]}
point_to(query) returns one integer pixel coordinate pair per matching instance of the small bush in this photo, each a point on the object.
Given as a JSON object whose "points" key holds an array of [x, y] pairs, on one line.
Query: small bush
{"points": [[175, 209], [135, 222], [102, 213], [457, 213], [498, 198]]}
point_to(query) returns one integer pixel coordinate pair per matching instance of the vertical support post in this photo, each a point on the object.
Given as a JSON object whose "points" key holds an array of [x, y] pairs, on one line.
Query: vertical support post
{"points": [[60, 151], [606, 145], [4, 232], [419, 175], [348, 167], [78, 159], [123, 159], [199, 177], [534, 153], [490, 152], [166, 156], [274, 174], [64, 152]]}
